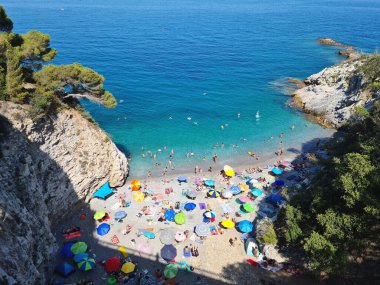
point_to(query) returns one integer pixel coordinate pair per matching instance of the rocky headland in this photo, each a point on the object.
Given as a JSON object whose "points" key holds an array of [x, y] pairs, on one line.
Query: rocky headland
{"points": [[47, 168]]}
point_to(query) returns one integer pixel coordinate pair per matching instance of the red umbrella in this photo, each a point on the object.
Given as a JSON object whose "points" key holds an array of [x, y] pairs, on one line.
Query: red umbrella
{"points": [[112, 264]]}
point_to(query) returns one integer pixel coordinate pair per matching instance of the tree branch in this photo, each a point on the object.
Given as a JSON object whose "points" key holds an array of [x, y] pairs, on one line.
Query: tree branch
{"points": [[87, 96]]}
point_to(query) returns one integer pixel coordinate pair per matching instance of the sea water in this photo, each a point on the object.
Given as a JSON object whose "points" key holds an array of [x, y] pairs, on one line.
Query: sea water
{"points": [[183, 70]]}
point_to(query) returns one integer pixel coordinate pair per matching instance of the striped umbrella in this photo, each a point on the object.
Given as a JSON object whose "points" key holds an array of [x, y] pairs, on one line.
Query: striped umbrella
{"points": [[209, 214], [139, 196], [86, 264], [170, 271], [213, 193]]}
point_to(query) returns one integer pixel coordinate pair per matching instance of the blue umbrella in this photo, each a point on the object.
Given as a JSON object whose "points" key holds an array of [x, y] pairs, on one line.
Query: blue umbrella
{"points": [[235, 190], [245, 226], [120, 215], [275, 199], [210, 183], [80, 256], [190, 206], [182, 179], [277, 170], [168, 252], [66, 250], [169, 215], [103, 229], [65, 269], [279, 183], [257, 192]]}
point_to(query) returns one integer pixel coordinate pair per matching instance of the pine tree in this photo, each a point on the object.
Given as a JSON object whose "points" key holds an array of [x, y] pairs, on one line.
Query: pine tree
{"points": [[14, 76]]}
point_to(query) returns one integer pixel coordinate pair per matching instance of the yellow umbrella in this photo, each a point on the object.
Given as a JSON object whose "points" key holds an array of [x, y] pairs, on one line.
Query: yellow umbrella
{"points": [[257, 185], [243, 187], [138, 196], [228, 170], [269, 178], [228, 224], [99, 215], [128, 267]]}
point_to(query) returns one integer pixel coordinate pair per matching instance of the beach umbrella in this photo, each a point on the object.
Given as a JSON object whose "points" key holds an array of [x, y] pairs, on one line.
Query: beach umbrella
{"points": [[244, 199], [145, 248], [192, 194], [79, 247], [167, 237], [210, 183], [235, 190], [253, 181], [99, 215], [183, 265], [139, 196], [209, 214], [213, 193], [170, 271], [269, 178], [228, 170], [66, 250], [227, 224], [120, 215], [103, 229], [128, 267], [190, 206], [64, 269], [243, 187], [279, 183], [202, 230], [182, 179], [80, 256], [257, 185], [169, 215], [227, 193], [179, 236], [277, 170], [149, 235], [168, 252], [112, 264], [136, 185], [285, 163], [245, 226], [257, 192], [248, 207], [86, 264], [180, 218], [111, 280]]}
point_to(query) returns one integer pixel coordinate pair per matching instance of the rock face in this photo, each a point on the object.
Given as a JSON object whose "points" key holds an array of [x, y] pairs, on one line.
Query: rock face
{"points": [[333, 93], [46, 168]]}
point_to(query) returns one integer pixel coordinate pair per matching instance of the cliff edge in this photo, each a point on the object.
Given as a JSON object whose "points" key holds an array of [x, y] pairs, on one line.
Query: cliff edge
{"points": [[46, 168]]}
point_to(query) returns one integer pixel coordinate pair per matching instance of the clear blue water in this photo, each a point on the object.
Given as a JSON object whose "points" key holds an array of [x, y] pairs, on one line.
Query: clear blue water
{"points": [[208, 60]]}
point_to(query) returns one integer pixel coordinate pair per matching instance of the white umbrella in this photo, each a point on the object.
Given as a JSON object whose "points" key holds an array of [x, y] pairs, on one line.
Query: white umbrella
{"points": [[167, 237], [202, 230], [227, 193]]}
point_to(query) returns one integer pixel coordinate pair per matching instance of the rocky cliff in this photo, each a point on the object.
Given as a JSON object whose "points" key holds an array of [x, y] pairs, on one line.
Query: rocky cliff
{"points": [[332, 94], [46, 169]]}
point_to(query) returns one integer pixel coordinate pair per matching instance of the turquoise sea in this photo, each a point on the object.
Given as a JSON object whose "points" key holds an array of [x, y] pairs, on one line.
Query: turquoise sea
{"points": [[169, 61]]}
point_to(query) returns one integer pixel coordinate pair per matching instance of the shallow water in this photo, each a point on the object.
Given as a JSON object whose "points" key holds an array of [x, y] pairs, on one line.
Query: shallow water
{"points": [[204, 60]]}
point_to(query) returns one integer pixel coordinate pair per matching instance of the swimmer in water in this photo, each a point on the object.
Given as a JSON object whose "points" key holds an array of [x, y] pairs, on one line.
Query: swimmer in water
{"points": [[170, 118], [189, 118], [222, 127], [238, 115], [257, 115]]}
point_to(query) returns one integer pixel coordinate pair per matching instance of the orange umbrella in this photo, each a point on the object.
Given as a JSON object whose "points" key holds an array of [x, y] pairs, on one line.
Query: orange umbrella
{"points": [[136, 185]]}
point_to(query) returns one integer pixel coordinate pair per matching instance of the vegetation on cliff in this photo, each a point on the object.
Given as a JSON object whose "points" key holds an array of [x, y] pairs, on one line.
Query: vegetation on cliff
{"points": [[27, 78], [335, 223]]}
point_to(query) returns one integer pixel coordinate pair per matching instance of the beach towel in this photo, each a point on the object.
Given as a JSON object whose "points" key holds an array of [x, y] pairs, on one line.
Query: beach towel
{"points": [[186, 254], [226, 208], [115, 239], [202, 206]]}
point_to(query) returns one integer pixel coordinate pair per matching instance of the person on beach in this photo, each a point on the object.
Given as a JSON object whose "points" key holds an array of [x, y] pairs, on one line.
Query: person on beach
{"points": [[215, 158], [196, 169], [210, 169]]}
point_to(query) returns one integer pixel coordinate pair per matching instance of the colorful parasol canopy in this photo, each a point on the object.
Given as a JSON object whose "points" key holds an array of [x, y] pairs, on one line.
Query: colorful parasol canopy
{"points": [[169, 215], [120, 215], [180, 218], [210, 183], [79, 247], [112, 264], [235, 190], [190, 206], [248, 207], [180, 236], [213, 193], [228, 170], [128, 267], [138, 196], [245, 226], [227, 193], [136, 185], [269, 178], [277, 171], [209, 214], [99, 215], [167, 237], [103, 229], [244, 199], [149, 235], [66, 250], [243, 187], [170, 271], [279, 183], [86, 264], [227, 224], [257, 192], [202, 230], [168, 252], [80, 256]]}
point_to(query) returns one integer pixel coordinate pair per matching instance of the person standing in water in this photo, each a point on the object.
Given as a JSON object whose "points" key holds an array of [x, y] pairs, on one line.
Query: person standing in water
{"points": [[238, 115]]}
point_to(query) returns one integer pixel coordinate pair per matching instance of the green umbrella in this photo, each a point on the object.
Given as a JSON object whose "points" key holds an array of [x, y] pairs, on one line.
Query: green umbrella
{"points": [[180, 218], [87, 264], [111, 280], [248, 208], [99, 215], [183, 265], [170, 271], [79, 247]]}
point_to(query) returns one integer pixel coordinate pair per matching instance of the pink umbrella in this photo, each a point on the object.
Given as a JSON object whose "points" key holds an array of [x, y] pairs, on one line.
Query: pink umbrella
{"points": [[285, 163], [180, 236], [145, 249], [244, 199]]}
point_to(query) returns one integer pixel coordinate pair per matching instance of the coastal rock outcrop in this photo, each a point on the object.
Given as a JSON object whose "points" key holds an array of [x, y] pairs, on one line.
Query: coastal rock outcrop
{"points": [[333, 93], [46, 168]]}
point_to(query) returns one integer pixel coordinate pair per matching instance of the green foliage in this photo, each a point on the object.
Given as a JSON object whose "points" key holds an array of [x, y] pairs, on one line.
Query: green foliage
{"points": [[371, 69], [14, 76], [6, 24], [265, 233], [40, 105], [3, 93]]}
